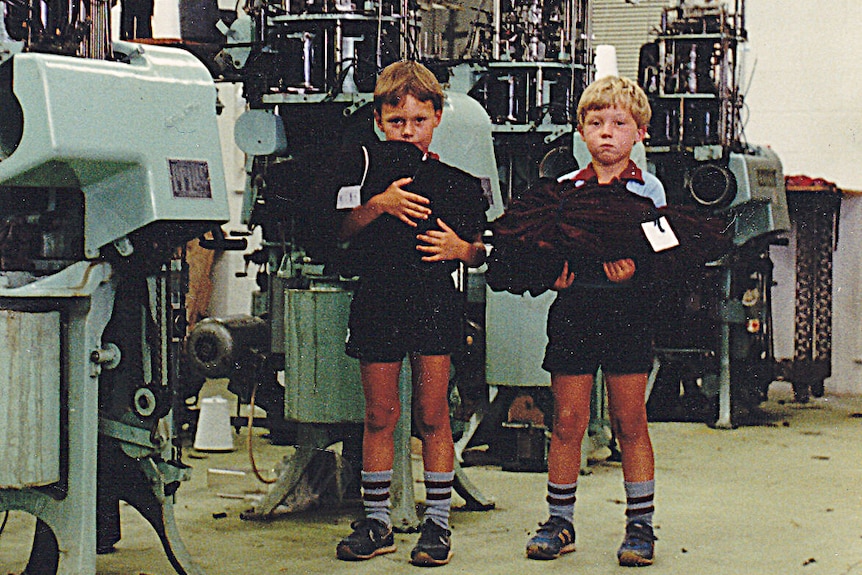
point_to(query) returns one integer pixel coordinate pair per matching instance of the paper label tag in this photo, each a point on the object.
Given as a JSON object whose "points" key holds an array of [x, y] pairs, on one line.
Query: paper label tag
{"points": [[348, 197], [659, 235]]}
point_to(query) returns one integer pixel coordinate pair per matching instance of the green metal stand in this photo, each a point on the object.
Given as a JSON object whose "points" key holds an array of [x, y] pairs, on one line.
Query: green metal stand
{"points": [[71, 517]]}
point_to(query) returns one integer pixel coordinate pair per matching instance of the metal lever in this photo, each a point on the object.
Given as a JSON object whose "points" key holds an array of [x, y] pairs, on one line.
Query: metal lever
{"points": [[220, 242]]}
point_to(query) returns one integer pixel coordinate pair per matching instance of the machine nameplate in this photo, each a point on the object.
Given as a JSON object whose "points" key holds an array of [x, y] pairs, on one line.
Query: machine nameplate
{"points": [[767, 177], [190, 179]]}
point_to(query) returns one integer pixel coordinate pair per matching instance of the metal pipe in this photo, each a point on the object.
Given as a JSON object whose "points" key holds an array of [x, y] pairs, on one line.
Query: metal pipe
{"points": [[495, 47], [724, 420]]}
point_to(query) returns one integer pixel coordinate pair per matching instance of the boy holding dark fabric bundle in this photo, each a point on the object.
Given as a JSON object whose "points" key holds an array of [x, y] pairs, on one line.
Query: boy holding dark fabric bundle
{"points": [[602, 316], [413, 219]]}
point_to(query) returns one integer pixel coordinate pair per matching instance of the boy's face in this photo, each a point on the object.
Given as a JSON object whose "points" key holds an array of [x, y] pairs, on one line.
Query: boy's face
{"points": [[410, 121], [610, 135]]}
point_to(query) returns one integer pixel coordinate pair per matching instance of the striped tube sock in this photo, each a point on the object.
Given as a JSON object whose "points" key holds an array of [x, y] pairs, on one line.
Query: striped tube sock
{"points": [[438, 496], [561, 500], [375, 495], [639, 500]]}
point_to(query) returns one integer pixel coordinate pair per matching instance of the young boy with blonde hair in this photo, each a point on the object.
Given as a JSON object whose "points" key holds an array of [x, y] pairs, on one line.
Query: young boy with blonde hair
{"points": [[601, 318]]}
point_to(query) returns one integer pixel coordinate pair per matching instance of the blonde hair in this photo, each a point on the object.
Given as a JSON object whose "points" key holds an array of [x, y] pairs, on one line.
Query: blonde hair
{"points": [[610, 91], [407, 78]]}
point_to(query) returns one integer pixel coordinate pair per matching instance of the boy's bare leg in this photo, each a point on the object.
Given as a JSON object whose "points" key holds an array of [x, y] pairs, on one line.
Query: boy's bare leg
{"points": [[382, 410], [571, 418], [629, 421], [626, 398], [431, 408], [373, 535]]}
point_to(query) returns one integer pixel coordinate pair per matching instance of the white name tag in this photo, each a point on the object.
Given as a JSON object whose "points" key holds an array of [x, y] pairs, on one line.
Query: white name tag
{"points": [[659, 235], [348, 197]]}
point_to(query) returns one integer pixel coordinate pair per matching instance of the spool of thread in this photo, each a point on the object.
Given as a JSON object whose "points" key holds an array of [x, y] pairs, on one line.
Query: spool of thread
{"points": [[606, 61], [214, 431]]}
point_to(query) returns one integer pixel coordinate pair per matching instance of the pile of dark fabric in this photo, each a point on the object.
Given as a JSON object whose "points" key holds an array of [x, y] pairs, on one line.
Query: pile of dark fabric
{"points": [[455, 197], [557, 222]]}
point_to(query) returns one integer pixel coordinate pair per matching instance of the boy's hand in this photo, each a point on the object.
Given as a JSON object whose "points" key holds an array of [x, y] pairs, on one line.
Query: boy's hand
{"points": [[620, 270], [565, 280], [443, 244], [406, 206]]}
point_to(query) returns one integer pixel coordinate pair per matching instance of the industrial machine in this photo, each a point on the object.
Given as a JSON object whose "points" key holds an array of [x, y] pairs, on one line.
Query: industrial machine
{"points": [[714, 358], [716, 347], [536, 60], [308, 72], [109, 163]]}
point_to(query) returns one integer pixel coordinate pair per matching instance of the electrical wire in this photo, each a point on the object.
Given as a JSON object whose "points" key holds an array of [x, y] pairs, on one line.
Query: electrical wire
{"points": [[250, 426]]}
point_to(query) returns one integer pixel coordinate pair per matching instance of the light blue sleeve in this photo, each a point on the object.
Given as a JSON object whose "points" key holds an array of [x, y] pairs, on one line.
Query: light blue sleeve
{"points": [[652, 188]]}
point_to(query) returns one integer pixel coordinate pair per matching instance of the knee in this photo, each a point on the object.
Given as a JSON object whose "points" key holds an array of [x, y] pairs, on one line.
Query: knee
{"points": [[381, 417], [432, 416], [569, 425], [631, 428]]}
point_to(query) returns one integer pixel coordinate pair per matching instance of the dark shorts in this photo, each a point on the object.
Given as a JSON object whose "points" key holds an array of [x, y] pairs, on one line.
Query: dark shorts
{"points": [[592, 328], [391, 319]]}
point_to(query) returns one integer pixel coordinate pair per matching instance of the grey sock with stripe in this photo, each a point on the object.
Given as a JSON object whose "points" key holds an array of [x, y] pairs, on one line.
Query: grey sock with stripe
{"points": [[561, 500], [640, 497], [375, 495], [438, 496]]}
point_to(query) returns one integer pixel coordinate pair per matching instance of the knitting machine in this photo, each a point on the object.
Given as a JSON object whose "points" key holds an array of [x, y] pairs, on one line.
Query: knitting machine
{"points": [[691, 72], [714, 357], [109, 163], [308, 71]]}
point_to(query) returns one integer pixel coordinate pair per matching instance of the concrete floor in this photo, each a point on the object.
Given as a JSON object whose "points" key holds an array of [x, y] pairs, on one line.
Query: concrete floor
{"points": [[780, 498]]}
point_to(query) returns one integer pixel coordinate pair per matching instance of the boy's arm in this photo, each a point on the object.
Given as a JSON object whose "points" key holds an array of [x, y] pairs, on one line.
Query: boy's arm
{"points": [[406, 206], [444, 244]]}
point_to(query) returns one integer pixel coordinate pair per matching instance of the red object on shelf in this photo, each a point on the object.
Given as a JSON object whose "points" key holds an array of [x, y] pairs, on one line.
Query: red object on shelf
{"points": [[808, 184]]}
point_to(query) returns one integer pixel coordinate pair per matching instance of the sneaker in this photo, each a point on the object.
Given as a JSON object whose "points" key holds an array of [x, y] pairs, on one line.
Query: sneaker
{"points": [[638, 546], [554, 537], [434, 546], [370, 538]]}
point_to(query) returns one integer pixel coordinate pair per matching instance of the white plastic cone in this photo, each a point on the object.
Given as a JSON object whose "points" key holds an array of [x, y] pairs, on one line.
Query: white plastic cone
{"points": [[214, 432]]}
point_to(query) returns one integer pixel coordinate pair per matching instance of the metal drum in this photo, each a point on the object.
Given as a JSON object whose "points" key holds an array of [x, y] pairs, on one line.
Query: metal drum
{"points": [[321, 383]]}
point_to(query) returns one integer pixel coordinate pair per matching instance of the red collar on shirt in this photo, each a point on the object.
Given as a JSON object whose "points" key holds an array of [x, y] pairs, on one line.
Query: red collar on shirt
{"points": [[433, 156], [632, 172]]}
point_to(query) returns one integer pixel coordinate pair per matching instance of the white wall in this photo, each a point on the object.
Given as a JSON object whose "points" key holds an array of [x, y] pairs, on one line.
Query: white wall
{"points": [[847, 303], [232, 295], [804, 102], [805, 99]]}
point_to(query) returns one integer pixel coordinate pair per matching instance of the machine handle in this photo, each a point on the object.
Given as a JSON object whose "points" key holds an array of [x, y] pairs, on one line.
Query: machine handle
{"points": [[220, 242]]}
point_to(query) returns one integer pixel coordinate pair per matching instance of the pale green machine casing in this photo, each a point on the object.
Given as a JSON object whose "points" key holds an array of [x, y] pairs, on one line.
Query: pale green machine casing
{"points": [[108, 128]]}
